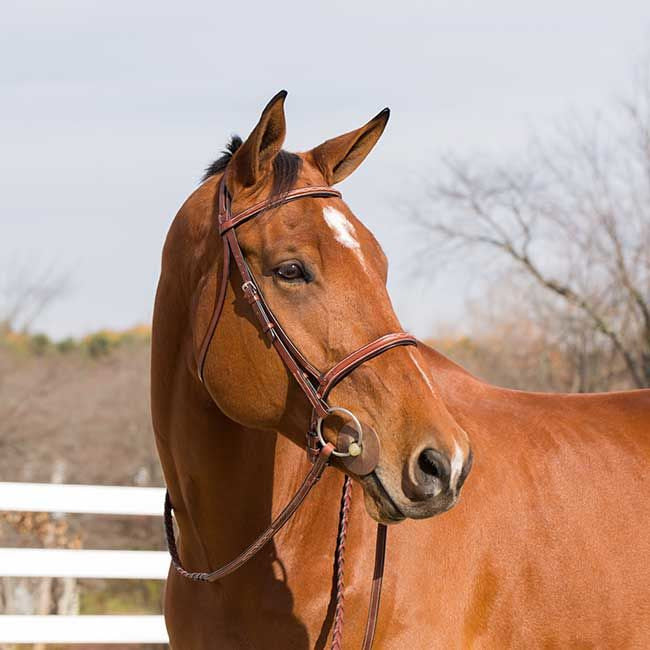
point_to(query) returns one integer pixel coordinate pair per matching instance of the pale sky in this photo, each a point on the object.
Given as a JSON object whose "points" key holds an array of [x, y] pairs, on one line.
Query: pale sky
{"points": [[111, 110]]}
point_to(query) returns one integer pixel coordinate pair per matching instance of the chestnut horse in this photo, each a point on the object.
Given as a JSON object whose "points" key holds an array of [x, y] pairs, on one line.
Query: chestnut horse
{"points": [[549, 547]]}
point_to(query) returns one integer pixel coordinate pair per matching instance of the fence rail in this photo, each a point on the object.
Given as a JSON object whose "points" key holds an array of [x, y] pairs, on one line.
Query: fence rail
{"points": [[82, 629], [85, 499], [67, 563], [64, 563]]}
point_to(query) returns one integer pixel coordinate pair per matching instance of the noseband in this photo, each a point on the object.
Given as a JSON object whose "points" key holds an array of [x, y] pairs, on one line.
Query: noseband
{"points": [[361, 452]]}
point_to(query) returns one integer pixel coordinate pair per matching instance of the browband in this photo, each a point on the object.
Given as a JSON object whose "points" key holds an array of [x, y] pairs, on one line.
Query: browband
{"points": [[268, 204]]}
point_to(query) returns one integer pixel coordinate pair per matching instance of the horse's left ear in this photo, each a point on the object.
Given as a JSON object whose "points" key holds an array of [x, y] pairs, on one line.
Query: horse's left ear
{"points": [[339, 157]]}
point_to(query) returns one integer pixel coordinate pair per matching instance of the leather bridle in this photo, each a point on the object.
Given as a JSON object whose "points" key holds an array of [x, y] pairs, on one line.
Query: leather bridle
{"points": [[361, 453]]}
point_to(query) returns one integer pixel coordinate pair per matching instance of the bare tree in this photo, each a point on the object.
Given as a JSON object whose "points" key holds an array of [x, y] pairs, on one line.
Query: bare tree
{"points": [[571, 218], [26, 290]]}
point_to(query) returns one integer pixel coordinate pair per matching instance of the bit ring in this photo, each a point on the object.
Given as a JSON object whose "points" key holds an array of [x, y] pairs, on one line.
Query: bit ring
{"points": [[355, 421]]}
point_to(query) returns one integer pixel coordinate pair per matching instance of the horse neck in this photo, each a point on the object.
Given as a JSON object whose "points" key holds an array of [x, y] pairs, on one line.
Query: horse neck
{"points": [[226, 481]]}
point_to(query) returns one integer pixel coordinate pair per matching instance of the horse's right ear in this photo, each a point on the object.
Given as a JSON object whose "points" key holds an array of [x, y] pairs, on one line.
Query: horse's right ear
{"points": [[254, 159]]}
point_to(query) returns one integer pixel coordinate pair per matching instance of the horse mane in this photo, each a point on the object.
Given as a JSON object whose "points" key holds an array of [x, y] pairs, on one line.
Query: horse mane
{"points": [[286, 166]]}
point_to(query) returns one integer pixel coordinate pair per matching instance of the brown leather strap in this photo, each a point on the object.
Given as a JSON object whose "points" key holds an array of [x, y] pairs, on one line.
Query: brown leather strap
{"points": [[285, 514], [337, 628], [375, 593], [313, 372], [262, 312], [221, 289], [363, 354], [378, 574], [216, 314], [295, 361], [314, 190]]}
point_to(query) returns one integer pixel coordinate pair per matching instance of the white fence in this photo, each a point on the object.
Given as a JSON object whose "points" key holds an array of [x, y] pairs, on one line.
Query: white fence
{"points": [[34, 562]]}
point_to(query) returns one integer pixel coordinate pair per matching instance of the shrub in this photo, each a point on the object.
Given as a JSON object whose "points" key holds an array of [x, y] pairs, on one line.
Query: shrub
{"points": [[39, 344], [98, 345], [66, 345]]}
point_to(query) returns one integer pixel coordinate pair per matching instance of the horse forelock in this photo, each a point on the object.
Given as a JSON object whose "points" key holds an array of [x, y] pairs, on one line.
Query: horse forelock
{"points": [[286, 166]]}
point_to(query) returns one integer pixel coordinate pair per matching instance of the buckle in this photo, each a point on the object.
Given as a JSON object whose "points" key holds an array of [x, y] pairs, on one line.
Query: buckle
{"points": [[313, 446], [249, 287]]}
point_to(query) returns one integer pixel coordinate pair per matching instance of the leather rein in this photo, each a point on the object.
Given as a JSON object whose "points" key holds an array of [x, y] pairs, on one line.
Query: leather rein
{"points": [[361, 452]]}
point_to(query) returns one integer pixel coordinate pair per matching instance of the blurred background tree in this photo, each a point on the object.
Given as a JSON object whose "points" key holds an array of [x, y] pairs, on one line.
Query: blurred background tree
{"points": [[562, 236], [74, 411], [26, 291]]}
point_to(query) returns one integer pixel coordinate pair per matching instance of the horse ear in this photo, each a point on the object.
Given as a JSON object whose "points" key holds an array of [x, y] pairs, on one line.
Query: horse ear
{"points": [[254, 159], [339, 157]]}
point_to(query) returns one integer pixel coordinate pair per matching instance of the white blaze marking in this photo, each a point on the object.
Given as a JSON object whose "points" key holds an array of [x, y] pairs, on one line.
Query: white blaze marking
{"points": [[344, 231], [457, 463], [425, 375]]}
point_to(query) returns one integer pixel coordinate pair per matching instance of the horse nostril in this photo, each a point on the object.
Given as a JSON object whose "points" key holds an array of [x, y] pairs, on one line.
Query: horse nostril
{"points": [[434, 465], [431, 473], [427, 463], [426, 475]]}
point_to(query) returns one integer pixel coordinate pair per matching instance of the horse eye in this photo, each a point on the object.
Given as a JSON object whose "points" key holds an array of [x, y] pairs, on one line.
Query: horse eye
{"points": [[291, 272]]}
